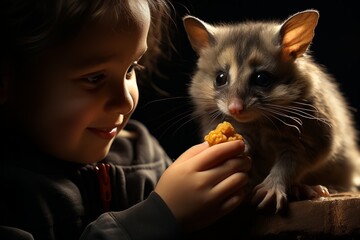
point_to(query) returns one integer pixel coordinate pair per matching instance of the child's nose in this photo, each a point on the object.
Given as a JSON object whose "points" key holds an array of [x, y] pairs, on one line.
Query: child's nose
{"points": [[120, 98]]}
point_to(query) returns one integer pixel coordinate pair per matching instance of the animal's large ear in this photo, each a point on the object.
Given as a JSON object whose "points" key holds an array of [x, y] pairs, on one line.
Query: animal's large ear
{"points": [[297, 32], [200, 33]]}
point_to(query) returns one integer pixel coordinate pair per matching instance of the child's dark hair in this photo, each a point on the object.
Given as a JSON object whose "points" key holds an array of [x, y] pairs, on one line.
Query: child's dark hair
{"points": [[30, 26]]}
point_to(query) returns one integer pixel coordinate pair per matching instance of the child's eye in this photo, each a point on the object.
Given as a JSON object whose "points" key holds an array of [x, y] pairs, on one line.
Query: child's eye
{"points": [[94, 79], [134, 66]]}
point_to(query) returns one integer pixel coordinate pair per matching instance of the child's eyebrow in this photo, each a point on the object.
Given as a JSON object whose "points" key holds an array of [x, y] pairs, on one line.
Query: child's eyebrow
{"points": [[99, 59], [94, 60]]}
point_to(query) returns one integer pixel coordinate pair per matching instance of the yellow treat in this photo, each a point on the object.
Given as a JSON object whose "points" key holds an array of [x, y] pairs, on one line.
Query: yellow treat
{"points": [[224, 132]]}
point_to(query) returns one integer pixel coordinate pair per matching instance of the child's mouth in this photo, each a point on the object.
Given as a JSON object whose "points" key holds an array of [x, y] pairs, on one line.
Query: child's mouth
{"points": [[105, 133]]}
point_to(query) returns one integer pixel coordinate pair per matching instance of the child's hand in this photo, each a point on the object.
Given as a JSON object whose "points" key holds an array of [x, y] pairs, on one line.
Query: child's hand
{"points": [[205, 183]]}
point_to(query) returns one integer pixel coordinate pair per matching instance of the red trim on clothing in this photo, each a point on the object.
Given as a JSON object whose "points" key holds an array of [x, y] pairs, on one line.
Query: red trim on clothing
{"points": [[102, 171]]}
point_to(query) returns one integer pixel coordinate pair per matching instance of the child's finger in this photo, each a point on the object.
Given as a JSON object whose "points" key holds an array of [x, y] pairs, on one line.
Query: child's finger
{"points": [[222, 171], [217, 154], [230, 203], [191, 152], [229, 185]]}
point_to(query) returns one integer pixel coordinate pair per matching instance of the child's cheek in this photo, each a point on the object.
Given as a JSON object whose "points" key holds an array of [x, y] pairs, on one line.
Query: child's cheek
{"points": [[79, 116], [74, 119]]}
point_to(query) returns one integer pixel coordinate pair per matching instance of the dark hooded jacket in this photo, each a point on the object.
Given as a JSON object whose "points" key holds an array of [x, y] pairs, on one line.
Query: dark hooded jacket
{"points": [[46, 198]]}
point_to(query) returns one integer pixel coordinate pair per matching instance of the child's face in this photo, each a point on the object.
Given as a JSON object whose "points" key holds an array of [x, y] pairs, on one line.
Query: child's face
{"points": [[80, 96]]}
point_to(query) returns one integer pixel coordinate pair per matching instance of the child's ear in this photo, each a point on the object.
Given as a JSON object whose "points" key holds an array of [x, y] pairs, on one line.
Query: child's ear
{"points": [[297, 32], [200, 33]]}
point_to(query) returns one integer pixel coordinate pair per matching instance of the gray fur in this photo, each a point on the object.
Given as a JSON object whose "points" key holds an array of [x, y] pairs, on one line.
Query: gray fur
{"points": [[299, 130]]}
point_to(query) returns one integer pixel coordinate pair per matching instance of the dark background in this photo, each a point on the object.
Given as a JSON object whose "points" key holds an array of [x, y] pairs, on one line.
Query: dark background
{"points": [[336, 46]]}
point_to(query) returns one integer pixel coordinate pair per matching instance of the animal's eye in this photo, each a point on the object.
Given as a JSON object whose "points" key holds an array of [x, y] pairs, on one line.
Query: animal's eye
{"points": [[261, 79], [221, 79]]}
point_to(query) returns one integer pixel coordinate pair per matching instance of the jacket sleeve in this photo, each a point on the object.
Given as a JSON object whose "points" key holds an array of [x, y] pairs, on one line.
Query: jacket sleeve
{"points": [[149, 219]]}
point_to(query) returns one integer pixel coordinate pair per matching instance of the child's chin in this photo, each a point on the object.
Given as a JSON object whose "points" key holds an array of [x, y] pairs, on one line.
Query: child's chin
{"points": [[93, 158]]}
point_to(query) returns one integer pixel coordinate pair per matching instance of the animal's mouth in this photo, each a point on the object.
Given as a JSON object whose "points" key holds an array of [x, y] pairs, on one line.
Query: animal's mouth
{"points": [[246, 116]]}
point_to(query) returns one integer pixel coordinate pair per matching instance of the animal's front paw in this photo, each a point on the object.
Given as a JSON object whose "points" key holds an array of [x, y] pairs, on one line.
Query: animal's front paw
{"points": [[270, 193], [302, 191]]}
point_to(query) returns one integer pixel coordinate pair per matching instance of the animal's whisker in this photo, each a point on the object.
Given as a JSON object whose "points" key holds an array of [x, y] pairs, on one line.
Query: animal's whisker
{"points": [[169, 112], [285, 123], [173, 121], [279, 113], [264, 113], [215, 114], [306, 104], [178, 121], [183, 124], [161, 100], [301, 112], [282, 113]]}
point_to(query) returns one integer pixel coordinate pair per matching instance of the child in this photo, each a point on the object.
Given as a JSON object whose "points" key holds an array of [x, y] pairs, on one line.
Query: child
{"points": [[72, 163]]}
